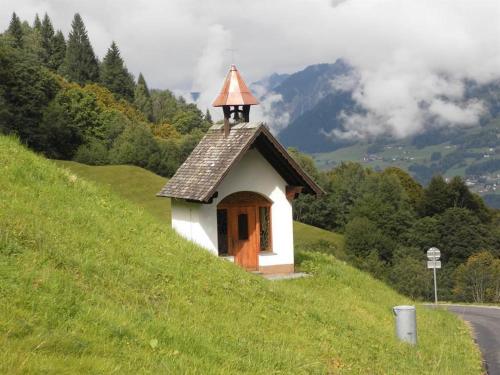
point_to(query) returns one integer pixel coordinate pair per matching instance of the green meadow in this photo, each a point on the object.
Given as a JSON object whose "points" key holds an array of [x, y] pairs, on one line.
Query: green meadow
{"points": [[140, 186], [93, 281]]}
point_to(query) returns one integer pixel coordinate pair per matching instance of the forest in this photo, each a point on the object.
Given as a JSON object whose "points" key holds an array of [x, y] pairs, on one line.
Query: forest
{"points": [[61, 101], [389, 221]]}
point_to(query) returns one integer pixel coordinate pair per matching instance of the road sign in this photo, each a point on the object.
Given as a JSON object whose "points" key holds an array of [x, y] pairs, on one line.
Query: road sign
{"points": [[434, 264], [433, 253]]}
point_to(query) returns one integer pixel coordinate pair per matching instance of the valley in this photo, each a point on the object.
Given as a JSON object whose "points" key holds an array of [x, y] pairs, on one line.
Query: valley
{"points": [[319, 98], [478, 164]]}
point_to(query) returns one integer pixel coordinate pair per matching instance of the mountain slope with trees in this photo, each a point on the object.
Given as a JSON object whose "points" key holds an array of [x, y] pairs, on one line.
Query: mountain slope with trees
{"points": [[61, 101], [389, 221], [315, 101], [305, 93]]}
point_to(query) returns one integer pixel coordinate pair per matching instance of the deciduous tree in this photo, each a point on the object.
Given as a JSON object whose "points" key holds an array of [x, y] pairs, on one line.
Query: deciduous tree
{"points": [[478, 279], [70, 120], [437, 197]]}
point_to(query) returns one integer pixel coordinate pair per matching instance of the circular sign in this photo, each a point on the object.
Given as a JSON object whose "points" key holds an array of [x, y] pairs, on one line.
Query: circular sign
{"points": [[433, 253]]}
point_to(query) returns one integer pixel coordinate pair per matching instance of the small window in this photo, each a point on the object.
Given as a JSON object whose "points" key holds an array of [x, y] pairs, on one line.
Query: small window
{"points": [[265, 228], [242, 227], [222, 232]]}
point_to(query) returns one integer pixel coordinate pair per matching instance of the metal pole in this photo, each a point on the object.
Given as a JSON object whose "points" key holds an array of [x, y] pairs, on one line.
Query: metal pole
{"points": [[435, 287]]}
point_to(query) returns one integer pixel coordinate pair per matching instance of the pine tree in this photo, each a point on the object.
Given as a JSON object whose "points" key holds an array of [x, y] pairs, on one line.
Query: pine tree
{"points": [[80, 63], [32, 39], [15, 30], [58, 51], [142, 82], [47, 40], [208, 117], [37, 25], [114, 74], [142, 98]]}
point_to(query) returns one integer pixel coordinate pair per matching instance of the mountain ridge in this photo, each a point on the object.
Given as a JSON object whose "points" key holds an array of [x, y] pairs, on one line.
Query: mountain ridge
{"points": [[314, 106]]}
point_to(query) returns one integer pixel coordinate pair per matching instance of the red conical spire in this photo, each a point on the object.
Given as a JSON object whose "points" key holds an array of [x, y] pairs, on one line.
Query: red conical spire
{"points": [[234, 91]]}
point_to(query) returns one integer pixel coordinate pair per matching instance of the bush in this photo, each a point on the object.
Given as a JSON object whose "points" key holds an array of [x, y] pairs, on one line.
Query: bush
{"points": [[165, 160], [93, 153], [69, 121], [362, 237], [478, 280], [461, 234], [134, 146], [409, 274]]}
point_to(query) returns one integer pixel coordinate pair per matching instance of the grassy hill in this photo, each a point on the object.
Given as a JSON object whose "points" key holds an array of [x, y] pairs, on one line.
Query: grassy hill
{"points": [[133, 183], [140, 186], [92, 283]]}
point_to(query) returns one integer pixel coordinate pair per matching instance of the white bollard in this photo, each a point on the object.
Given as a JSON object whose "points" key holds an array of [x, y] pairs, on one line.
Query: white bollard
{"points": [[406, 323]]}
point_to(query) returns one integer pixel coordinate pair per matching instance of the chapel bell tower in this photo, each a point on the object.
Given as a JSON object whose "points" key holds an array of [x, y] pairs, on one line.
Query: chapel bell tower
{"points": [[235, 98]]}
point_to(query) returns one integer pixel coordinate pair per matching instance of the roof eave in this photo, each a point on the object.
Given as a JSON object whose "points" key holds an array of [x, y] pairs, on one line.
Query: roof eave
{"points": [[298, 169]]}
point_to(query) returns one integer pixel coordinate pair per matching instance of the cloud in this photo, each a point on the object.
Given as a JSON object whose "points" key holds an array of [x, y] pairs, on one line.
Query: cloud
{"points": [[406, 103], [409, 54], [265, 112], [414, 56], [211, 69], [465, 114], [346, 82]]}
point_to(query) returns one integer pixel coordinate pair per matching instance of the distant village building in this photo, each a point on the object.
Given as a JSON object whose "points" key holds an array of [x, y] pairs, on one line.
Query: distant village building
{"points": [[233, 194]]}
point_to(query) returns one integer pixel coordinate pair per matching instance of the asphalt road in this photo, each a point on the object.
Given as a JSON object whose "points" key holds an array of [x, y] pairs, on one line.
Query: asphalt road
{"points": [[486, 324]]}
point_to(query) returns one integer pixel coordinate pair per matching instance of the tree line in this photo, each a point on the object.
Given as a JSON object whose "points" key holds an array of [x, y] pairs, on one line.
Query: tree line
{"points": [[61, 100], [389, 222]]}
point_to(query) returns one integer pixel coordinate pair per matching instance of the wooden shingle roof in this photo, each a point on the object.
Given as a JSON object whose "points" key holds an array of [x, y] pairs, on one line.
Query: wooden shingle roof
{"points": [[199, 176]]}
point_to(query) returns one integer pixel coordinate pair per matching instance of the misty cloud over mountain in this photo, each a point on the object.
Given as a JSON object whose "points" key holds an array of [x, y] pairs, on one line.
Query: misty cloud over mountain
{"points": [[412, 59], [322, 108]]}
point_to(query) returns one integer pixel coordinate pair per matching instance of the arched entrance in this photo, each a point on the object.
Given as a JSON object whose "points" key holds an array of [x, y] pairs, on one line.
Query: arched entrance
{"points": [[244, 227]]}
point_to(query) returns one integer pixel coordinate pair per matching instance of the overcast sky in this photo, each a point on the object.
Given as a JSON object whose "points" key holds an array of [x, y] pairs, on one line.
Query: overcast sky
{"points": [[406, 51]]}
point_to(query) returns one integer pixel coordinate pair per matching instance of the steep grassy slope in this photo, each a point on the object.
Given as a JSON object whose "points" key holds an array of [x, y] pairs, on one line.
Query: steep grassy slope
{"points": [[89, 283], [133, 183]]}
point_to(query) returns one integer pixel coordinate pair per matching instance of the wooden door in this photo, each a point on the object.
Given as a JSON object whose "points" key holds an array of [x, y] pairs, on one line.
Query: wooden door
{"points": [[243, 238]]}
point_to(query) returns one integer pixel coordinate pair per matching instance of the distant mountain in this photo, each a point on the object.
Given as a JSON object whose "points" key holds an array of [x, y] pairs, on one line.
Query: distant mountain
{"points": [[312, 100], [306, 106], [300, 92], [267, 84], [488, 94], [310, 131]]}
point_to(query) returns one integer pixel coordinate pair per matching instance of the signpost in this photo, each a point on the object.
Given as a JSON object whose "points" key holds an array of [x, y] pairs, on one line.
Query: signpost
{"points": [[433, 254]]}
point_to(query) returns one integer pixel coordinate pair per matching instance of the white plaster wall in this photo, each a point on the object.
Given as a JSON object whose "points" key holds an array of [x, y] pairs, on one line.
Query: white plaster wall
{"points": [[191, 220], [198, 222]]}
